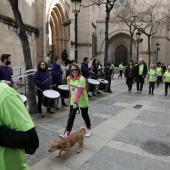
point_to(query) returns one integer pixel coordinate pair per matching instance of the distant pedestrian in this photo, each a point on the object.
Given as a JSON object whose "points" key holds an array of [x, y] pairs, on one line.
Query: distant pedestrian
{"points": [[129, 75], [159, 73], [112, 65], [152, 75], [167, 80], [107, 75], [120, 70], [140, 73]]}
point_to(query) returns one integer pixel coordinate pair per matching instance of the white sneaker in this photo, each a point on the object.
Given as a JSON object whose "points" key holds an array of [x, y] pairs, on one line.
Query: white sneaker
{"points": [[63, 135], [88, 133]]}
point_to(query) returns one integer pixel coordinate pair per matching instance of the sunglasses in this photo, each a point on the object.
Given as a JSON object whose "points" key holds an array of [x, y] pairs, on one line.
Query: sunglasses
{"points": [[74, 70]]}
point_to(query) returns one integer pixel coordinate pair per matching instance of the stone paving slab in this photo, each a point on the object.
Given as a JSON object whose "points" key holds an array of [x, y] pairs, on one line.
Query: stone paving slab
{"points": [[109, 158]]}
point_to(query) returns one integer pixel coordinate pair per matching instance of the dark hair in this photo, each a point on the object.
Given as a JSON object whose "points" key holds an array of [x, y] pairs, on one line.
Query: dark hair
{"points": [[95, 61], [72, 61], [4, 56], [78, 68], [57, 58], [85, 59], [108, 64], [39, 64]]}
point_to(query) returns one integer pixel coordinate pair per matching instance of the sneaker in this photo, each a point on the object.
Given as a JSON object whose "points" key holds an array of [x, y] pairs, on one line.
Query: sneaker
{"points": [[89, 95], [93, 94], [42, 115], [50, 112], [99, 92], [88, 133], [63, 135], [129, 92], [63, 104]]}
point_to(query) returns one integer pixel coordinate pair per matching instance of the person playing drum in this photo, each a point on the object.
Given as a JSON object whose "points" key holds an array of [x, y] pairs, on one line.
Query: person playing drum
{"points": [[42, 81], [95, 72], [78, 98], [56, 73]]}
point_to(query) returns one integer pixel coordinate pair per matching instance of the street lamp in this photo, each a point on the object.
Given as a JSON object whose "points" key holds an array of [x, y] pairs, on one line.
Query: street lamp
{"points": [[157, 49], [138, 34], [76, 9]]}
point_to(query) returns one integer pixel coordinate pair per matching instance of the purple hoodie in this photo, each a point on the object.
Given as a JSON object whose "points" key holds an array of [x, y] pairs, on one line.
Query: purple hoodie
{"points": [[85, 70], [42, 79], [56, 73]]}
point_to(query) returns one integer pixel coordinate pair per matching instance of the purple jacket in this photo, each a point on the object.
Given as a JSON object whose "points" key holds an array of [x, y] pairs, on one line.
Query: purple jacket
{"points": [[85, 70], [42, 79], [56, 73], [95, 70], [6, 73]]}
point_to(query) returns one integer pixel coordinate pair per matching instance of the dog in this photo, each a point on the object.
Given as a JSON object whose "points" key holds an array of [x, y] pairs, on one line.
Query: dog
{"points": [[65, 144]]}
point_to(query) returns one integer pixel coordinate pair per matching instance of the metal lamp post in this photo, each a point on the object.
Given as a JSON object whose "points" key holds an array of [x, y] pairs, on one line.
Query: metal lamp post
{"points": [[76, 9], [138, 34], [157, 49]]}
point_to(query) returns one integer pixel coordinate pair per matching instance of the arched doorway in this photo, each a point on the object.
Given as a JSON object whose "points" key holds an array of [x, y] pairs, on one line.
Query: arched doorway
{"points": [[58, 35], [121, 55]]}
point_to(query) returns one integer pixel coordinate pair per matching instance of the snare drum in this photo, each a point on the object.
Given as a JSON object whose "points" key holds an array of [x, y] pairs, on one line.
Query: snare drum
{"points": [[49, 98], [103, 84], [24, 99], [64, 91], [93, 84]]}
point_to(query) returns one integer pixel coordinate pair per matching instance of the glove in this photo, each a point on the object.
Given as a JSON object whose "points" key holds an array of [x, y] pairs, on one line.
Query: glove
{"points": [[75, 105], [61, 72]]}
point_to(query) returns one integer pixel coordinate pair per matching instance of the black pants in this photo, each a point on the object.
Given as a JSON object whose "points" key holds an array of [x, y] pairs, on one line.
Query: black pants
{"points": [[151, 87], [159, 79], [85, 115], [40, 98], [166, 87], [55, 87], [20, 140], [139, 80], [109, 83], [129, 82], [120, 73]]}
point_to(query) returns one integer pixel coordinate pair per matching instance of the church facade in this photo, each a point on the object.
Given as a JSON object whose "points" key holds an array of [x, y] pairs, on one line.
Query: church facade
{"points": [[43, 21]]}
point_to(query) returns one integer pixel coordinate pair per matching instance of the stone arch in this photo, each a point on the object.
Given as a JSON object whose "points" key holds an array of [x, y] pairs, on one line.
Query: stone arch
{"points": [[59, 34]]}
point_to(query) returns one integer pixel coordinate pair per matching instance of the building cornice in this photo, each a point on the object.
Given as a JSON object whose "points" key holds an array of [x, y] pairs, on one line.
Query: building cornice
{"points": [[12, 22]]}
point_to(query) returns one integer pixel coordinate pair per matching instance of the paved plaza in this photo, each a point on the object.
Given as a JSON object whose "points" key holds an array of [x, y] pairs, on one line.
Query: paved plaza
{"points": [[124, 137]]}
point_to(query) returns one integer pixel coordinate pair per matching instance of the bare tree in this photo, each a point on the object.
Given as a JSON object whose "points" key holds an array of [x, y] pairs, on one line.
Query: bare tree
{"points": [[149, 21], [27, 55]]}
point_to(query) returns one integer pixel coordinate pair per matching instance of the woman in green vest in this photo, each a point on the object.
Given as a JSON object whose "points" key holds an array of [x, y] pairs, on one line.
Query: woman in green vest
{"points": [[152, 78], [159, 73], [167, 79]]}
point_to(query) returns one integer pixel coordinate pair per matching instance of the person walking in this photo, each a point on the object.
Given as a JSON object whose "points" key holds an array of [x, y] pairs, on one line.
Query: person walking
{"points": [[112, 65], [166, 77], [107, 74], [78, 99], [120, 70], [129, 75], [17, 131], [42, 80], [56, 74], [152, 73], [159, 73], [140, 73]]}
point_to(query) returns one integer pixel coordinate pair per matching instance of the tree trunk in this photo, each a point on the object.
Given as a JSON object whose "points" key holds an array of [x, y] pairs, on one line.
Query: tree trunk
{"points": [[106, 35], [27, 55], [131, 41], [149, 50]]}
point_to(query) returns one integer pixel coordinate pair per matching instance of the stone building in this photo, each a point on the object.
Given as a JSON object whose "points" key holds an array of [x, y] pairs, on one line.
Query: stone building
{"points": [[43, 21]]}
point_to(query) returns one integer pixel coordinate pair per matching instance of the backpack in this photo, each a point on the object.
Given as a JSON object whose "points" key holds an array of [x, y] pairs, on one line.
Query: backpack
{"points": [[86, 82]]}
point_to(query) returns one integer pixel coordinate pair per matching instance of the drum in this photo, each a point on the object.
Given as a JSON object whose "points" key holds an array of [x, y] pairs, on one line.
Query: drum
{"points": [[93, 84], [103, 84], [49, 98], [64, 91], [24, 99]]}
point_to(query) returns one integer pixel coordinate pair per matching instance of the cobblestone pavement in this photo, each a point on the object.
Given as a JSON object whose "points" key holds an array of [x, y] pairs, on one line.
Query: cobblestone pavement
{"points": [[124, 138]]}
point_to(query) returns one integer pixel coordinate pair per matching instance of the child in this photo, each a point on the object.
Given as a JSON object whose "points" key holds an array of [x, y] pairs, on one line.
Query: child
{"points": [[152, 78]]}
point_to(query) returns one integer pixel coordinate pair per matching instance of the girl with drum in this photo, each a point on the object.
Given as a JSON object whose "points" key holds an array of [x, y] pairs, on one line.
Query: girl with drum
{"points": [[95, 73], [42, 82], [78, 98]]}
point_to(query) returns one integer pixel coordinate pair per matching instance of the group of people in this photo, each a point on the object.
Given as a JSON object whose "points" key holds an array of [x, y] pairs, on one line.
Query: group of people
{"points": [[139, 72]]}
